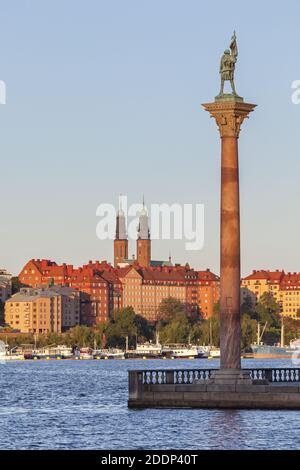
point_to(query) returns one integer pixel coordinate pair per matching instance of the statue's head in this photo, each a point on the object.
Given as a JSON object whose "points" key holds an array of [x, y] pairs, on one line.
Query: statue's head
{"points": [[227, 52]]}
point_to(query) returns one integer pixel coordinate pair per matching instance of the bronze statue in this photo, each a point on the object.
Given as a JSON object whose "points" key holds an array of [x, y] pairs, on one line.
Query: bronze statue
{"points": [[227, 65]]}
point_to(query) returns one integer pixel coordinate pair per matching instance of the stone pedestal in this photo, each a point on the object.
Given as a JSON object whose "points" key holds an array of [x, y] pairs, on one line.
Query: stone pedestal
{"points": [[226, 389], [229, 115], [225, 379], [230, 376]]}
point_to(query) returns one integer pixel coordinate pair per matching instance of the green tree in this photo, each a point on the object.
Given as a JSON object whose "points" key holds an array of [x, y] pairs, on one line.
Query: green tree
{"points": [[216, 309], [99, 335], [16, 284], [247, 307], [145, 330], [122, 326], [268, 310], [81, 336], [173, 323], [210, 329], [196, 332], [248, 330], [177, 330], [125, 321], [169, 308], [52, 338], [291, 329]]}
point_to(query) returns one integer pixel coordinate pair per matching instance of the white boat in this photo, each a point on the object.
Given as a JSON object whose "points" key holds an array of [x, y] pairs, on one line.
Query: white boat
{"points": [[86, 353], [182, 351], [214, 353], [146, 350], [295, 345], [54, 352], [13, 357], [7, 354], [112, 353], [2, 354], [62, 351]]}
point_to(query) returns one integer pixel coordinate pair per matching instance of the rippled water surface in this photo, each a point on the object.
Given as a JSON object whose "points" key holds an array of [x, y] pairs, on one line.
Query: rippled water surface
{"points": [[83, 405]]}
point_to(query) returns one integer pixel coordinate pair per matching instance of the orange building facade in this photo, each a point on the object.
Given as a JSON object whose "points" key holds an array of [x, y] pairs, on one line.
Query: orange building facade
{"points": [[96, 282], [285, 287], [43, 310], [145, 288], [105, 289]]}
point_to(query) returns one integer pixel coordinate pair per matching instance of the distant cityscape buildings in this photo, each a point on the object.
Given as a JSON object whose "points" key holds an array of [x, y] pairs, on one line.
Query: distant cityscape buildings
{"points": [[104, 289], [51, 310], [285, 288], [56, 297], [139, 282]]}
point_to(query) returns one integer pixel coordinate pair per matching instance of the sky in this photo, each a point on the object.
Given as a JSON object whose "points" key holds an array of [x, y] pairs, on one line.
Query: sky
{"points": [[104, 97]]}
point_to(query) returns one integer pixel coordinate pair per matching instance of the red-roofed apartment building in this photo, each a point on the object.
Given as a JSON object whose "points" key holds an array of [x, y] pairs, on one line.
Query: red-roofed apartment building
{"points": [[145, 288], [105, 289], [96, 282], [285, 287]]}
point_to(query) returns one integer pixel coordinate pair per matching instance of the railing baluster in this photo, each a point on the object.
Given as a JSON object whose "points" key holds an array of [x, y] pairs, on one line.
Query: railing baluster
{"points": [[188, 376]]}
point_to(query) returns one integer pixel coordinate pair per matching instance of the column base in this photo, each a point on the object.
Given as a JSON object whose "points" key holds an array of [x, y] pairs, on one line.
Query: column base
{"points": [[231, 376], [225, 377]]}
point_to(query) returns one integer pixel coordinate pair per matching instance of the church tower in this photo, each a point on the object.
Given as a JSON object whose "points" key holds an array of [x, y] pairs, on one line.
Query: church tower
{"points": [[121, 241], [143, 243]]}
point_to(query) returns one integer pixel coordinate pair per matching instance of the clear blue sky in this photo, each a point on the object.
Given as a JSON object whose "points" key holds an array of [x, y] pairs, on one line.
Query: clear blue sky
{"points": [[104, 97]]}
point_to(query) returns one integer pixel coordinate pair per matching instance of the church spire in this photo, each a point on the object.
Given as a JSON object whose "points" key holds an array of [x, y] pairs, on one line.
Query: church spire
{"points": [[143, 245], [120, 222], [121, 242], [143, 227]]}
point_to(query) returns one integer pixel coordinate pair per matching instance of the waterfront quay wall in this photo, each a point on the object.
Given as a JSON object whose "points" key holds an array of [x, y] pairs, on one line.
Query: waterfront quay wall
{"points": [[180, 389]]}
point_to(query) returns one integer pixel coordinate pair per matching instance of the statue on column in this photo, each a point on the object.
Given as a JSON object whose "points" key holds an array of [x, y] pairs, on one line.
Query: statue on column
{"points": [[227, 66]]}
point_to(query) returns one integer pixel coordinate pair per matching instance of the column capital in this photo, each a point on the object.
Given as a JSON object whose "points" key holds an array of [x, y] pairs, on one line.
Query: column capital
{"points": [[229, 115]]}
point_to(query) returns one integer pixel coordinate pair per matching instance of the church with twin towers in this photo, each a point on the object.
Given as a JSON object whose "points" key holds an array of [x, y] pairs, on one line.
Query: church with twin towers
{"points": [[143, 242]]}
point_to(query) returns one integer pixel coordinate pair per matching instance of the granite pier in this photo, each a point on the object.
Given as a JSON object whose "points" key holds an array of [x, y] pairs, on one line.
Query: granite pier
{"points": [[197, 388]]}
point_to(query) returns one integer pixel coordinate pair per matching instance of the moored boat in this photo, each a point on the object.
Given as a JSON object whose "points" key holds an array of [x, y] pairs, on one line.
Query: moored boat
{"points": [[86, 354], [182, 351], [264, 351], [212, 352], [146, 350], [112, 353], [61, 352]]}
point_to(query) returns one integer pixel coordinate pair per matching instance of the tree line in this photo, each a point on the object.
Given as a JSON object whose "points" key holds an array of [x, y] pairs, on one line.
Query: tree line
{"points": [[174, 325]]}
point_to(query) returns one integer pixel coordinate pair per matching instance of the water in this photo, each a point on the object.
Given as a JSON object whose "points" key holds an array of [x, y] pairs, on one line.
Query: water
{"points": [[83, 405]]}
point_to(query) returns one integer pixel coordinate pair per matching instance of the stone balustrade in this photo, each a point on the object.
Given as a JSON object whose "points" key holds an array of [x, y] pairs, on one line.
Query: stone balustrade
{"points": [[189, 376], [271, 388]]}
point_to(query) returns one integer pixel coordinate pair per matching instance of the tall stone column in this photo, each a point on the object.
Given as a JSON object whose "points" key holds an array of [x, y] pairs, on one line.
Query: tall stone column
{"points": [[229, 113]]}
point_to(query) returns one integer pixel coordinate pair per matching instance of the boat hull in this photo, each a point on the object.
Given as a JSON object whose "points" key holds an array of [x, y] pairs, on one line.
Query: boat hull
{"points": [[272, 356], [135, 355], [274, 352]]}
